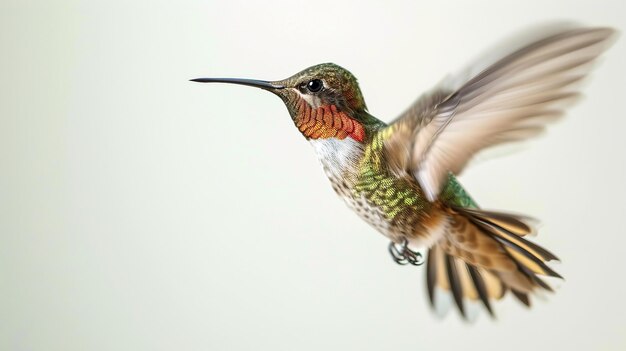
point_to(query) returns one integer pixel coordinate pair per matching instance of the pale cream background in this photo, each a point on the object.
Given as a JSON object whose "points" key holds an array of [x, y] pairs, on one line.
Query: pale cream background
{"points": [[139, 211]]}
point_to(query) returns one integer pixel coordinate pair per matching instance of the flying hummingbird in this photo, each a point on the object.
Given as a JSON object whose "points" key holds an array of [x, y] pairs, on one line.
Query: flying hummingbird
{"points": [[400, 177]]}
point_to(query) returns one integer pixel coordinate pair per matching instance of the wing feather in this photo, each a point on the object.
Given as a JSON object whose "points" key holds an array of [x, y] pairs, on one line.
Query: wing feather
{"points": [[509, 101]]}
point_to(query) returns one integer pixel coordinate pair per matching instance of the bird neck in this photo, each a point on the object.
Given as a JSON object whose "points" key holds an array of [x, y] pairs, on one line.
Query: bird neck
{"points": [[341, 158], [325, 121]]}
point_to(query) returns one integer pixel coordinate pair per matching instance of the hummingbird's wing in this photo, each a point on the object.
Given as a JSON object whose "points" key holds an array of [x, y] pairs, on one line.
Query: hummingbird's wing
{"points": [[511, 100]]}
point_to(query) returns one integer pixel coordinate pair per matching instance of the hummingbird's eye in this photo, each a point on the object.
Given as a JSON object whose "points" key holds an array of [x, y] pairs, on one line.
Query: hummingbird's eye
{"points": [[315, 85]]}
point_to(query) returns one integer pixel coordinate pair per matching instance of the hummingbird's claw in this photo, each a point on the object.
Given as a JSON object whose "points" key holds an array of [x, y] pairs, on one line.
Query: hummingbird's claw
{"points": [[403, 255]]}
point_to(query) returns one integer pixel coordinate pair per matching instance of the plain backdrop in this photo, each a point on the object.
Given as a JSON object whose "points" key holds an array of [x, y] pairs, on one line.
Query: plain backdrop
{"points": [[140, 211]]}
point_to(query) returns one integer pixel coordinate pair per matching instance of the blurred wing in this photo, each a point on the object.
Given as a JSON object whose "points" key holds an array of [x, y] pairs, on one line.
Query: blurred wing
{"points": [[511, 100]]}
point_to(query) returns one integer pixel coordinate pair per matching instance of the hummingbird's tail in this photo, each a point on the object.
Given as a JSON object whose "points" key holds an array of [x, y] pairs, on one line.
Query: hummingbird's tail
{"points": [[482, 255]]}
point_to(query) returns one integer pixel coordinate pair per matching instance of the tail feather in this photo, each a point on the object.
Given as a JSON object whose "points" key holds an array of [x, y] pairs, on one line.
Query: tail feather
{"points": [[482, 255], [517, 224], [463, 280], [455, 283], [515, 238], [522, 297], [481, 287], [527, 254]]}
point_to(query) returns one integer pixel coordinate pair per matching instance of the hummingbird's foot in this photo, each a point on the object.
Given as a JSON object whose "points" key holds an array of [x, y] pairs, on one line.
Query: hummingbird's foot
{"points": [[403, 255]]}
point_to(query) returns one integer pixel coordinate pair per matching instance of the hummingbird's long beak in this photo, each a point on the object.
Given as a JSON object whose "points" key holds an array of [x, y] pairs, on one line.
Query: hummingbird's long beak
{"points": [[249, 82]]}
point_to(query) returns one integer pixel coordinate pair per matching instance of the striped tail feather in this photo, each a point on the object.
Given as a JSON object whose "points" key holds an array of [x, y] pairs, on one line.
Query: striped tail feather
{"points": [[484, 254]]}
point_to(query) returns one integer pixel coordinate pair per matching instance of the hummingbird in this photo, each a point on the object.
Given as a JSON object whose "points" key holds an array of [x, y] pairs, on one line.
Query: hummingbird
{"points": [[401, 177]]}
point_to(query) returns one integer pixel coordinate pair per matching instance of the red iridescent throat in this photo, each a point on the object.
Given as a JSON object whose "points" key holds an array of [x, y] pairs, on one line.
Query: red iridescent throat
{"points": [[327, 122]]}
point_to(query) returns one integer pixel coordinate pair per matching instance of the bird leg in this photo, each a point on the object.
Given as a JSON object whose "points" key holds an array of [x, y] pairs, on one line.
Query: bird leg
{"points": [[402, 254]]}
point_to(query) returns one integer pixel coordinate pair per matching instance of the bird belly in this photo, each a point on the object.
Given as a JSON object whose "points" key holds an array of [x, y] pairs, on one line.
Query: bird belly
{"points": [[367, 210], [397, 214]]}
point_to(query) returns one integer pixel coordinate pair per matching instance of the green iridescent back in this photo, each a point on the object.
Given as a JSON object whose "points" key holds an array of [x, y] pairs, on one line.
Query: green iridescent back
{"points": [[454, 194]]}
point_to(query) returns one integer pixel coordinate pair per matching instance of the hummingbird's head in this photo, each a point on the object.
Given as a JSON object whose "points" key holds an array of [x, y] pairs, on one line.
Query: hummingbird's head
{"points": [[325, 84], [324, 101]]}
